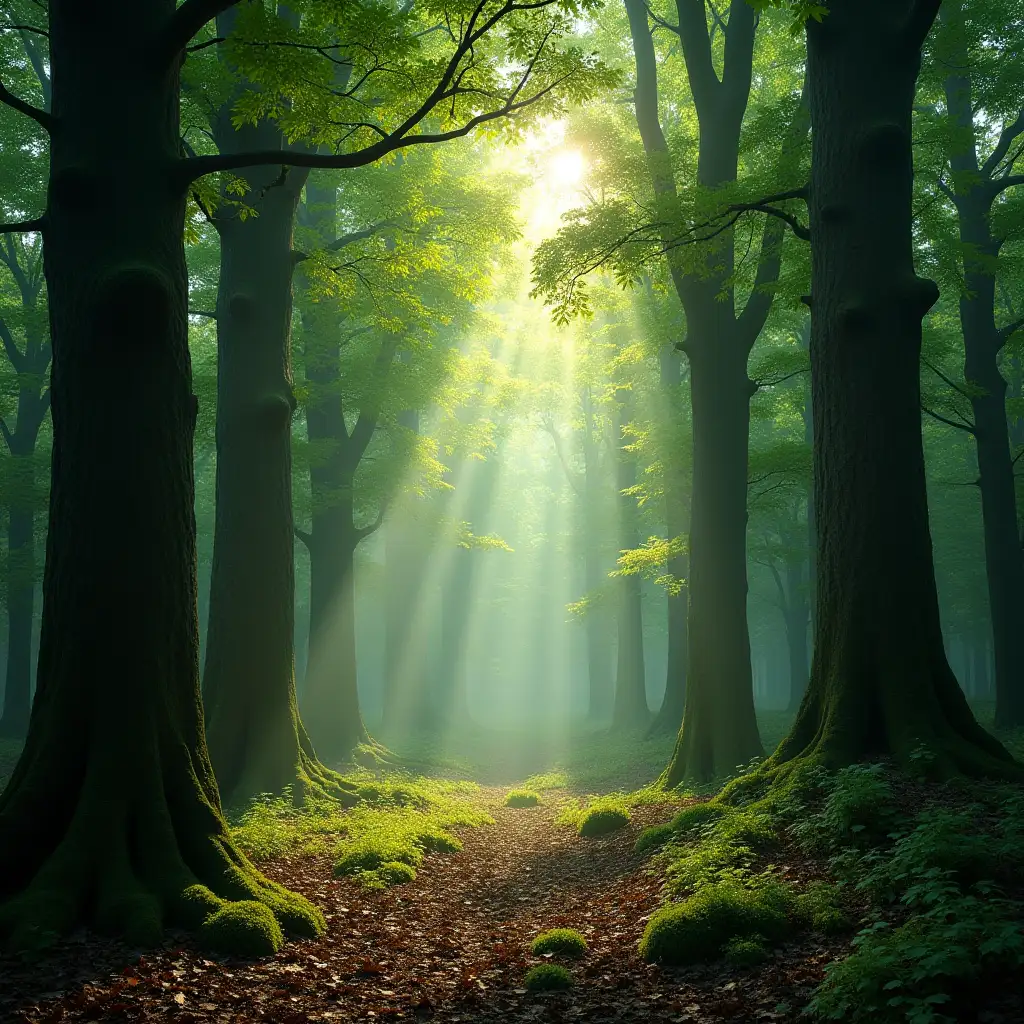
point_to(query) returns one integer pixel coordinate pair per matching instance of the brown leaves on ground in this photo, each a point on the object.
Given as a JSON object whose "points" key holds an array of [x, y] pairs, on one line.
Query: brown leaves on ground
{"points": [[453, 945]]}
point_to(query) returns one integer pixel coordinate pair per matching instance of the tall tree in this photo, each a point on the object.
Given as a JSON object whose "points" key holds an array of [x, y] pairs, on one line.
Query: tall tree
{"points": [[880, 682], [116, 751]]}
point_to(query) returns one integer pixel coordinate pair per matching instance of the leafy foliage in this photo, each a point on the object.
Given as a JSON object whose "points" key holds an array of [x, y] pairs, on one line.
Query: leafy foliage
{"points": [[559, 942]]}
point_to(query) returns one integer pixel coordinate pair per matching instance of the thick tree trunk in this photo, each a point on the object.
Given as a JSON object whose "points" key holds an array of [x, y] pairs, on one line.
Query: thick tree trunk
{"points": [[719, 730], [630, 709], [797, 615], [132, 835], [670, 714], [256, 738], [20, 605], [880, 683]]}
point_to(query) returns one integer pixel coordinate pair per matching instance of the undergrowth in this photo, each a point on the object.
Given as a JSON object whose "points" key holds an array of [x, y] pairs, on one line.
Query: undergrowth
{"points": [[931, 877], [400, 819]]}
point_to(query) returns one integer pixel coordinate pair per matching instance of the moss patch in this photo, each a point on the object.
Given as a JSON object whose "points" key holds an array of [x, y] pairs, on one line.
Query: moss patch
{"points": [[547, 978], [522, 798], [746, 952], [559, 942], [245, 928]]}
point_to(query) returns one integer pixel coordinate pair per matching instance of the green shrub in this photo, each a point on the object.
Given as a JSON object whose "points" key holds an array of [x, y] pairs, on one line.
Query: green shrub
{"points": [[858, 810], [395, 872], [746, 952], [560, 942], [689, 820], [699, 927], [819, 907], [548, 978], [373, 851], [600, 820], [522, 798], [245, 928], [654, 837]]}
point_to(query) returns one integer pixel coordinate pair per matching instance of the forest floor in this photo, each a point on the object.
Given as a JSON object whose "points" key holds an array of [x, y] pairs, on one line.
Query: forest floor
{"points": [[452, 945]]}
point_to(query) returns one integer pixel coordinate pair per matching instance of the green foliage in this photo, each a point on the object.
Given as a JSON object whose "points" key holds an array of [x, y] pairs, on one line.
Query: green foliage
{"points": [[559, 942], [393, 872], [547, 978], [245, 928], [820, 908], [747, 951], [598, 817], [700, 927], [522, 798], [689, 819]]}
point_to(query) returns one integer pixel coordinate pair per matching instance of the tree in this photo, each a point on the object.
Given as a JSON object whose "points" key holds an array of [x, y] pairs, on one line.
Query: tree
{"points": [[880, 682], [133, 833]]}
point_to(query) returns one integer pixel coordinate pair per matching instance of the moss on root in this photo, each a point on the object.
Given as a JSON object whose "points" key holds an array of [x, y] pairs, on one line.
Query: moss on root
{"points": [[245, 928]]}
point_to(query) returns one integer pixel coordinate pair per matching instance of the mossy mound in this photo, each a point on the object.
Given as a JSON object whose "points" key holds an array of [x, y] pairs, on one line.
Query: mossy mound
{"points": [[396, 872], [437, 840], [547, 978], [559, 942], [700, 927], [746, 952], [522, 798], [820, 908], [245, 928], [689, 820], [600, 821]]}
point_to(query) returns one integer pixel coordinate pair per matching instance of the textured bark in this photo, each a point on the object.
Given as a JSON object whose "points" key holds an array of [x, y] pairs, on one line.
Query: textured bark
{"points": [[132, 836], [630, 709], [719, 727], [880, 683], [1004, 557], [256, 739], [797, 614]]}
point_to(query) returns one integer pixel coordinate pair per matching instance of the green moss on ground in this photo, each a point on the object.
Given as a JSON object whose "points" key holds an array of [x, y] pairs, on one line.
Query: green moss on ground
{"points": [[522, 798], [547, 978], [747, 952], [597, 817], [559, 942]]}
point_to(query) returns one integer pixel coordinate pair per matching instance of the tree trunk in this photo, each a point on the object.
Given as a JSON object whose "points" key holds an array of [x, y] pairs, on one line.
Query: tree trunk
{"points": [[880, 683], [132, 835], [257, 741], [719, 730], [630, 709], [670, 715], [1004, 558], [797, 615]]}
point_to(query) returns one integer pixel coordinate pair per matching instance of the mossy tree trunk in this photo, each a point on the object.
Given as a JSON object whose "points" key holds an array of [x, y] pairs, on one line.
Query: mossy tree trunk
{"points": [[977, 187], [31, 366], [257, 741], [112, 816], [630, 709], [880, 682]]}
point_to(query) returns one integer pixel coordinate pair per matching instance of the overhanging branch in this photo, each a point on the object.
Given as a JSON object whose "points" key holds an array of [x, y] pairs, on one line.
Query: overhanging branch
{"points": [[22, 226], [966, 427], [41, 117], [187, 21]]}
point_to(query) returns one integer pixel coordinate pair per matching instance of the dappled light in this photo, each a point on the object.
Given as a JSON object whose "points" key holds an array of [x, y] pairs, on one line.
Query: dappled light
{"points": [[509, 512]]}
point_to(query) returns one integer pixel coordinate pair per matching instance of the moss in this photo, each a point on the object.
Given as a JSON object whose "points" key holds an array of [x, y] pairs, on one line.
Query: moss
{"points": [[820, 908], [599, 821], [688, 820], [559, 942], [746, 952], [396, 873], [522, 798], [698, 928], [655, 837], [245, 928], [547, 978]]}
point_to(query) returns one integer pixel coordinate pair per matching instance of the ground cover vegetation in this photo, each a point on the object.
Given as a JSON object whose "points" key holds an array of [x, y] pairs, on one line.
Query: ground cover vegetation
{"points": [[509, 510]]}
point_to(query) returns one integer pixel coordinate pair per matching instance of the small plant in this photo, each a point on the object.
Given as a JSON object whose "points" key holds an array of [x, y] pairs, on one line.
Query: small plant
{"points": [[245, 928], [700, 927], [746, 952], [522, 798], [689, 820], [600, 819], [820, 908], [396, 872], [548, 978], [559, 942]]}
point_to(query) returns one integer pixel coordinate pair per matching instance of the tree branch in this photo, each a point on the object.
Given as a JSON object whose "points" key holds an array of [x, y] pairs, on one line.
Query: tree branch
{"points": [[6, 435], [22, 226], [187, 21], [700, 64], [1007, 332], [938, 373], [570, 475], [203, 312], [997, 186], [363, 532], [306, 538], [366, 424], [1006, 139], [15, 356], [966, 427], [298, 256], [41, 117]]}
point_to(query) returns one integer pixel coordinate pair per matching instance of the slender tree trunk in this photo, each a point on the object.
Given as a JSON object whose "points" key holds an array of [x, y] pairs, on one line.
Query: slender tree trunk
{"points": [[630, 709], [132, 835], [670, 714], [1004, 558], [880, 683]]}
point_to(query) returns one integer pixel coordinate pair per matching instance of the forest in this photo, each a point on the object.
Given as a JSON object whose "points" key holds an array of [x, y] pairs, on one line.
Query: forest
{"points": [[509, 511]]}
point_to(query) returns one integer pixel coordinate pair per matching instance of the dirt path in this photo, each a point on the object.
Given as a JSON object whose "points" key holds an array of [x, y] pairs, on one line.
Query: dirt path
{"points": [[453, 945]]}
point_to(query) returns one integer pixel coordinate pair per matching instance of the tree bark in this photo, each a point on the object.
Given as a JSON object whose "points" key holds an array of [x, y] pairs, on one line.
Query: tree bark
{"points": [[880, 683], [797, 616], [630, 709], [257, 741], [1004, 557], [132, 836]]}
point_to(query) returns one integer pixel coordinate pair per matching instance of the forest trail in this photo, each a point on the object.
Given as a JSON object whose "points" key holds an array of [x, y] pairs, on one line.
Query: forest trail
{"points": [[452, 945]]}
